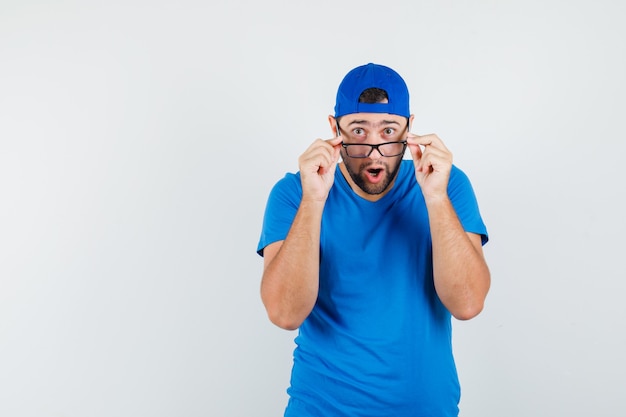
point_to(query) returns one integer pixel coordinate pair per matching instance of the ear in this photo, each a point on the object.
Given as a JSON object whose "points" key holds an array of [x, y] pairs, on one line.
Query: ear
{"points": [[411, 121], [333, 125]]}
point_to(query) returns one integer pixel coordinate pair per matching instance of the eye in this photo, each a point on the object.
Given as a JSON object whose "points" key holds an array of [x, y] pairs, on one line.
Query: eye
{"points": [[358, 131], [389, 131]]}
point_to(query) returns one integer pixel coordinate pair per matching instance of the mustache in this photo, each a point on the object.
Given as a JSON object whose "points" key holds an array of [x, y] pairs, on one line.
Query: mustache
{"points": [[374, 165]]}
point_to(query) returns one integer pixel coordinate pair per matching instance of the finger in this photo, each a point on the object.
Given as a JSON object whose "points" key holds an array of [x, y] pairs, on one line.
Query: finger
{"points": [[324, 146], [335, 144], [336, 141], [416, 151], [435, 160], [322, 155], [318, 154], [425, 140], [424, 164], [413, 139], [329, 157]]}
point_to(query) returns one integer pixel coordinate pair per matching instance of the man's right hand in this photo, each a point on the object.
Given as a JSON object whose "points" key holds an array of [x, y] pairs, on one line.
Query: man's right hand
{"points": [[317, 168]]}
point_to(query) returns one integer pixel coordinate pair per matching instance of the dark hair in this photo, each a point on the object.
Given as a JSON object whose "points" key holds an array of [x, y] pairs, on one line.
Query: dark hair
{"points": [[373, 95]]}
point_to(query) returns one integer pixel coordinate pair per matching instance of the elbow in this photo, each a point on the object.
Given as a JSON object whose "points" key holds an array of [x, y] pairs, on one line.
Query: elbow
{"points": [[282, 320], [279, 313], [286, 311], [468, 312], [473, 302]]}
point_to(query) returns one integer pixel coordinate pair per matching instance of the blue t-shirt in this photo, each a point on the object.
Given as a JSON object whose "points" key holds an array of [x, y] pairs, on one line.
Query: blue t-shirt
{"points": [[378, 341]]}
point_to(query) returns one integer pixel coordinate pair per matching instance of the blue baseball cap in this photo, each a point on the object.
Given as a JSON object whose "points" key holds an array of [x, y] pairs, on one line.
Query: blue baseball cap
{"points": [[372, 76]]}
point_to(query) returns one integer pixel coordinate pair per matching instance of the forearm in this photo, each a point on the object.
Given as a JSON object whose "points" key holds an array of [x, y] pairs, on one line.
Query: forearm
{"points": [[290, 282], [461, 275]]}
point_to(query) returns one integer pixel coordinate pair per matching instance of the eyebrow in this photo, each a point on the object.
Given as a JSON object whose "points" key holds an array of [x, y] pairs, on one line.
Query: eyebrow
{"points": [[365, 122]]}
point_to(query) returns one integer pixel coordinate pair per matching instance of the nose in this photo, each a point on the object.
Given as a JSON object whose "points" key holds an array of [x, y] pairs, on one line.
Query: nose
{"points": [[375, 154]]}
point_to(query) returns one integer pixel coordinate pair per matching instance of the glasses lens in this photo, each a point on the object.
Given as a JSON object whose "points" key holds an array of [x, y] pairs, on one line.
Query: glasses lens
{"points": [[392, 149], [386, 149], [358, 151]]}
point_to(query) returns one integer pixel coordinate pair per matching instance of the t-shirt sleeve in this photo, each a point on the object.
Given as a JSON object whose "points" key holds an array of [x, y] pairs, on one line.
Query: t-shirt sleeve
{"points": [[281, 208], [464, 201]]}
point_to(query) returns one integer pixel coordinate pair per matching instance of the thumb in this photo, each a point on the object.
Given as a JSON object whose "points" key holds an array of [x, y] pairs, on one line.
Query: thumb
{"points": [[335, 141], [336, 144], [416, 151]]}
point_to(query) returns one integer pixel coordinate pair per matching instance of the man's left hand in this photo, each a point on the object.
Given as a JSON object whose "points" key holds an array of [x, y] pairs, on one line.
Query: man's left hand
{"points": [[433, 162]]}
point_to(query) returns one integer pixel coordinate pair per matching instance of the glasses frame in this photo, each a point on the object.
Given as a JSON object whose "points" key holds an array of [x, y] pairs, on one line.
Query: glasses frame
{"points": [[372, 147]]}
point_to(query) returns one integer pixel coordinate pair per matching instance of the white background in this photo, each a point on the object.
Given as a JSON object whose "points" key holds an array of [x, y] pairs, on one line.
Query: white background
{"points": [[139, 141]]}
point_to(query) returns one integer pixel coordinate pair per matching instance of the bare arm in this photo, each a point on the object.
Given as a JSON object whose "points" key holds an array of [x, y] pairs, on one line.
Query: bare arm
{"points": [[290, 280], [460, 272], [461, 275], [291, 270]]}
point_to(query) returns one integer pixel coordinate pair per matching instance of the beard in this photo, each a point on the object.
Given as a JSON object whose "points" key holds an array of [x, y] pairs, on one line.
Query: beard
{"points": [[359, 174]]}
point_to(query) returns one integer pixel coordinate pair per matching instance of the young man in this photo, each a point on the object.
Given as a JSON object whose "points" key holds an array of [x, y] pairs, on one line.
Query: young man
{"points": [[369, 255]]}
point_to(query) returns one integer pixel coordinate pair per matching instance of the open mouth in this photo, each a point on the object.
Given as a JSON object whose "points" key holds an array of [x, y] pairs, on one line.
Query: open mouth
{"points": [[374, 172]]}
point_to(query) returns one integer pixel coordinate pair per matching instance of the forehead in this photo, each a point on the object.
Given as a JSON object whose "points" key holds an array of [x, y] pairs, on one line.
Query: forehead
{"points": [[373, 120]]}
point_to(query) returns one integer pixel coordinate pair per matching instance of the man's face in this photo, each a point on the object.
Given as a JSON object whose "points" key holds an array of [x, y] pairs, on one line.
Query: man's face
{"points": [[370, 170]]}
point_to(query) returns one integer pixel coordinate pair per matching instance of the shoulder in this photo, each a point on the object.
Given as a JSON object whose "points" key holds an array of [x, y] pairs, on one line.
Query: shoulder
{"points": [[458, 178], [457, 172], [288, 188], [289, 181]]}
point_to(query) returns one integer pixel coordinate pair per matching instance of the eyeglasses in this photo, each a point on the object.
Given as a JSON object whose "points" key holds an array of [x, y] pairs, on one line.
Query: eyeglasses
{"points": [[362, 150]]}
